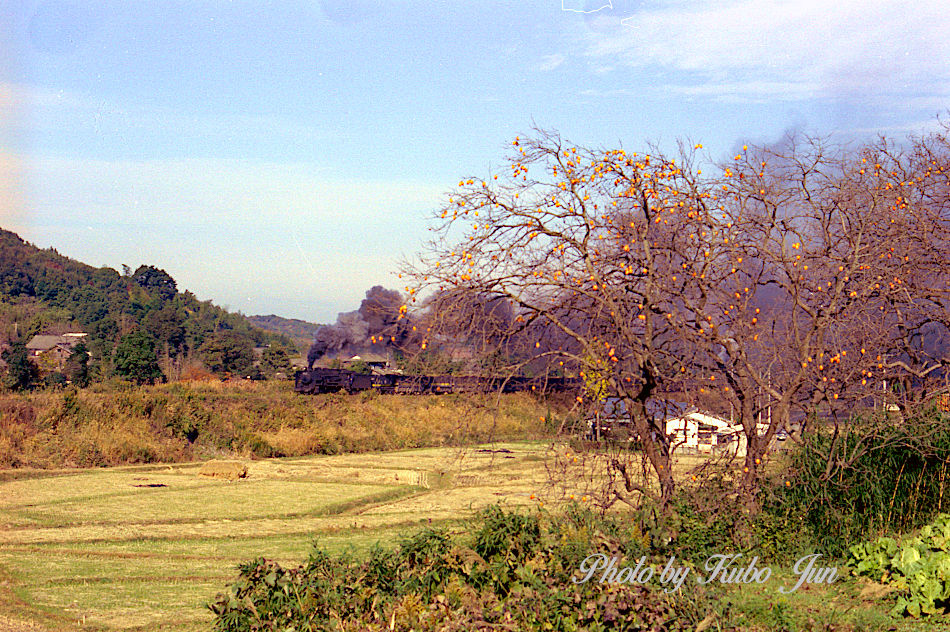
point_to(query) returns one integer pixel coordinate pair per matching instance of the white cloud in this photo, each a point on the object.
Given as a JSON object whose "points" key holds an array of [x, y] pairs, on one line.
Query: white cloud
{"points": [[812, 47], [580, 7], [752, 90]]}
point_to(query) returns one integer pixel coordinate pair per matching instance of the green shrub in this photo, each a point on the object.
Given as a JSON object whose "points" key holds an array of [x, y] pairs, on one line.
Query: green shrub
{"points": [[260, 448], [434, 581], [698, 536], [55, 380], [509, 536], [708, 517]]}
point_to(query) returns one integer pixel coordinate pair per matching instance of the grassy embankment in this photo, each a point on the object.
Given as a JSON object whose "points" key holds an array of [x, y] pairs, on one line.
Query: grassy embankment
{"points": [[117, 425]]}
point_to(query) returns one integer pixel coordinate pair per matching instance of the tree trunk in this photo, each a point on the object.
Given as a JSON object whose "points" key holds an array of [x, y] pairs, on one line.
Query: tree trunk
{"points": [[657, 451]]}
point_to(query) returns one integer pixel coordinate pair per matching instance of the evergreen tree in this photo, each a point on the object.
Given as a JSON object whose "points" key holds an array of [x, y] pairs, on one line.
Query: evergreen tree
{"points": [[275, 360], [77, 366], [156, 280], [135, 358], [227, 352], [20, 371]]}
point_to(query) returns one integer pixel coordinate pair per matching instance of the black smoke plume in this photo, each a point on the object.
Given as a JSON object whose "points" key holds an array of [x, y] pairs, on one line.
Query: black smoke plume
{"points": [[375, 326]]}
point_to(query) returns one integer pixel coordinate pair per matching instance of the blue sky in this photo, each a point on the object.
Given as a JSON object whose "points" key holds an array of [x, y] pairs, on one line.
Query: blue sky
{"points": [[282, 157]]}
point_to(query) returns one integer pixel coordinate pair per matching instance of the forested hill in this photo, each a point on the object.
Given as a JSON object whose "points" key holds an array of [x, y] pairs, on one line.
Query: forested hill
{"points": [[300, 331], [41, 291]]}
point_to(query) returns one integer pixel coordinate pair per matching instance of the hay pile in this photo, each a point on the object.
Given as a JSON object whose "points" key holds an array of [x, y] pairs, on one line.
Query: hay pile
{"points": [[230, 470]]}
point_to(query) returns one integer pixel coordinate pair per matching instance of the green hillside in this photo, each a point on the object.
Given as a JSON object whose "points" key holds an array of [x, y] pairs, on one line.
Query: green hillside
{"points": [[300, 331], [44, 292]]}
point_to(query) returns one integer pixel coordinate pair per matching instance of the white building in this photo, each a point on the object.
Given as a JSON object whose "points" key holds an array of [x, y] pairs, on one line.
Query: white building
{"points": [[702, 432]]}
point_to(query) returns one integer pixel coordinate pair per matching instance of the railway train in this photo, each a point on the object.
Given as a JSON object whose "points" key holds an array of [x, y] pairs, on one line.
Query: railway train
{"points": [[313, 381]]}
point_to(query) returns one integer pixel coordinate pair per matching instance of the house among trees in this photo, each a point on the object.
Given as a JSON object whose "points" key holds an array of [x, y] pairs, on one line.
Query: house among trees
{"points": [[610, 419], [49, 353], [691, 431]]}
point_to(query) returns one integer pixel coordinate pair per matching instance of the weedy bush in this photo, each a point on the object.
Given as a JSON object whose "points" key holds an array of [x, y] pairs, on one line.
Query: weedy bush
{"points": [[511, 537], [434, 581], [707, 517], [17, 426], [878, 477], [696, 534]]}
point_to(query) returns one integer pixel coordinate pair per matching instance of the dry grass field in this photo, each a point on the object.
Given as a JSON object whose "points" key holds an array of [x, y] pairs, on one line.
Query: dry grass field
{"points": [[146, 547]]}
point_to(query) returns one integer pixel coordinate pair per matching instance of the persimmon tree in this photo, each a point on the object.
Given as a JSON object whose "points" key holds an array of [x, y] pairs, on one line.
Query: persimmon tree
{"points": [[812, 248], [573, 241], [480, 329], [918, 176], [787, 284]]}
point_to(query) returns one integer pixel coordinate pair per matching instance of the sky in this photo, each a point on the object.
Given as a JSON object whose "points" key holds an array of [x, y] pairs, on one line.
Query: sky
{"points": [[284, 157]]}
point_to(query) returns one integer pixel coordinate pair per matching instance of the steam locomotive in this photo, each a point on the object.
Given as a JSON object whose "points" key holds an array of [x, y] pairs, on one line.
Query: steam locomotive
{"points": [[318, 380]]}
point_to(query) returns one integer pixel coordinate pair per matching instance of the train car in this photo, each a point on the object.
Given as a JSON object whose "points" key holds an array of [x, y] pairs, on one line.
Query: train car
{"points": [[315, 381]]}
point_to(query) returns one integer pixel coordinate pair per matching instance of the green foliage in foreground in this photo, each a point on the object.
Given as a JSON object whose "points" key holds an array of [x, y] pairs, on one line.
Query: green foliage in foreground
{"points": [[884, 477], [513, 572], [919, 567]]}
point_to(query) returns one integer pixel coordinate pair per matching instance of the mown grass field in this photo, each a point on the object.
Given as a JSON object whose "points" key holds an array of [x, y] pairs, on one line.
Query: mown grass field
{"points": [[147, 547]]}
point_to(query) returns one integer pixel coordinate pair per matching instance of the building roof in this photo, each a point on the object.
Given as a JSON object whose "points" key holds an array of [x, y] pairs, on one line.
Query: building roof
{"points": [[703, 418], [616, 407], [45, 343], [370, 358], [720, 425]]}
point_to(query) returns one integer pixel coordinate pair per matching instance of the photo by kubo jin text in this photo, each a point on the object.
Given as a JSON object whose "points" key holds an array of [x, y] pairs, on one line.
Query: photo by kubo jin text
{"points": [[719, 568]]}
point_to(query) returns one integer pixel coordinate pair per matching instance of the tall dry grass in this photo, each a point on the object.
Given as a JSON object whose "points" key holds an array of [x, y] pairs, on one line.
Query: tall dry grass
{"points": [[112, 424]]}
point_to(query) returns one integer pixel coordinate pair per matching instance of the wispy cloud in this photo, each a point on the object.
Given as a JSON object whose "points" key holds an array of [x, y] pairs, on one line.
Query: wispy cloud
{"points": [[550, 62], [579, 6], [802, 48], [750, 90]]}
